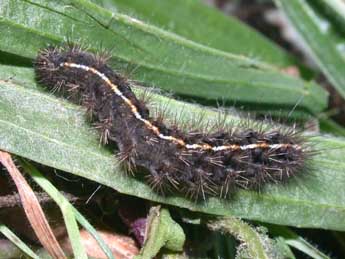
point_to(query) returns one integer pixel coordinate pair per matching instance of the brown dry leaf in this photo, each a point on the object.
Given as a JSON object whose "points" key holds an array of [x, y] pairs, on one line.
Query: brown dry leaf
{"points": [[122, 247], [32, 209]]}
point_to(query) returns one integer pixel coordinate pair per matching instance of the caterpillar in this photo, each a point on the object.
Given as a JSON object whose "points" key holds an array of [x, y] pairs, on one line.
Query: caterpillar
{"points": [[194, 164]]}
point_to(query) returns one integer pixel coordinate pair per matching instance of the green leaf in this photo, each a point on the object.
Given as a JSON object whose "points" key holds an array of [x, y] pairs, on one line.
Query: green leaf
{"points": [[331, 127], [195, 21], [325, 40], [297, 242], [66, 210], [335, 9], [36, 125], [254, 244], [17, 241], [284, 248], [162, 231], [158, 57], [69, 213]]}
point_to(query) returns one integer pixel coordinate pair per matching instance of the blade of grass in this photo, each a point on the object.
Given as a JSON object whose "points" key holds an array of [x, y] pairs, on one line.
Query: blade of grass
{"points": [[322, 37], [305, 247], [286, 250], [32, 208], [17, 241], [72, 230], [331, 127], [69, 212], [336, 7], [296, 241]]}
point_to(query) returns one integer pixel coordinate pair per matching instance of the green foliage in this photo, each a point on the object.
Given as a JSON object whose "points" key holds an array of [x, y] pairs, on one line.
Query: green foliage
{"points": [[198, 54], [159, 57], [51, 131], [162, 231], [322, 35]]}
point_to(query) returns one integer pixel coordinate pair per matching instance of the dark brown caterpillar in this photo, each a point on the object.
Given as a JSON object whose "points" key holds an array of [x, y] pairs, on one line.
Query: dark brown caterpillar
{"points": [[195, 164]]}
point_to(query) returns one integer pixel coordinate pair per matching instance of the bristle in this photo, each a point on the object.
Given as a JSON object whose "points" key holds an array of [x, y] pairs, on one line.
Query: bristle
{"points": [[104, 127], [197, 159]]}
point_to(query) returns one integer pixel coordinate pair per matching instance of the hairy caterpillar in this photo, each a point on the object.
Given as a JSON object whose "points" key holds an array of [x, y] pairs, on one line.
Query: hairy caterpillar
{"points": [[195, 164]]}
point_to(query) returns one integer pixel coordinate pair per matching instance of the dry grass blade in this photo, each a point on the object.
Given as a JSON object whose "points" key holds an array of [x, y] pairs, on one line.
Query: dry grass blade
{"points": [[32, 209]]}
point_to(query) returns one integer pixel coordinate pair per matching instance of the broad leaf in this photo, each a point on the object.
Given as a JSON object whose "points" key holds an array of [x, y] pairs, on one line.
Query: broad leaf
{"points": [[154, 56], [36, 125], [194, 20]]}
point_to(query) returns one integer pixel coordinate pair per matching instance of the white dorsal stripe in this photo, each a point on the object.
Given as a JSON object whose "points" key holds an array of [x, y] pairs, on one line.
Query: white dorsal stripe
{"points": [[138, 116]]}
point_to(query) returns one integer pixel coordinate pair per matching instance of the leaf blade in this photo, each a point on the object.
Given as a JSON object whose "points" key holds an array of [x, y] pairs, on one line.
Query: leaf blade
{"points": [[322, 39], [67, 207], [195, 21], [51, 131], [158, 57], [17, 241]]}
